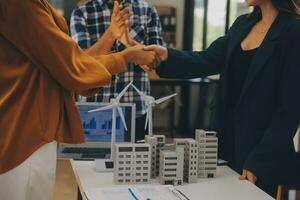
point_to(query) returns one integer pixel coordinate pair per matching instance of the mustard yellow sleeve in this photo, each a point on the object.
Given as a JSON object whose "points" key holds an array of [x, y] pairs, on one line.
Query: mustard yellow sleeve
{"points": [[30, 26], [114, 63]]}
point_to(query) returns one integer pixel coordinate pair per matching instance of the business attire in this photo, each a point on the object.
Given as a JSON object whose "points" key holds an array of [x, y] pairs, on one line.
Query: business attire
{"points": [[258, 101], [41, 68], [91, 19]]}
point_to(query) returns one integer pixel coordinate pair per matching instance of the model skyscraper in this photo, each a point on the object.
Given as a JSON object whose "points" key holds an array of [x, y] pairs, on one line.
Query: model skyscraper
{"points": [[208, 153], [132, 163], [190, 174], [171, 166], [157, 142]]}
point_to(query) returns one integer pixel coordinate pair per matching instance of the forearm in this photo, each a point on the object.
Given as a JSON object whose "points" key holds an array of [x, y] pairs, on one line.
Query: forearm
{"points": [[103, 46], [187, 65]]}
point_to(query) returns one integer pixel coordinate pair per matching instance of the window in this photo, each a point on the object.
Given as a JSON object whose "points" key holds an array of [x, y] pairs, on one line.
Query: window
{"points": [[216, 19], [198, 25], [125, 149], [211, 20], [141, 149]]}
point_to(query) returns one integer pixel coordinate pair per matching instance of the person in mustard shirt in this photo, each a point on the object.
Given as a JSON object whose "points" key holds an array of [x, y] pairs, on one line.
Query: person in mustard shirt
{"points": [[41, 68]]}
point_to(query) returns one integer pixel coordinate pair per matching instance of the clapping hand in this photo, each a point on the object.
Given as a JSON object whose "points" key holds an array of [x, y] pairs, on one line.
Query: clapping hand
{"points": [[120, 21]]}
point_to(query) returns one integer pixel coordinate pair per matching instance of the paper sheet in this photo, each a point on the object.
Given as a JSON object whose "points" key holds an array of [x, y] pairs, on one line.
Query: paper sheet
{"points": [[142, 193]]}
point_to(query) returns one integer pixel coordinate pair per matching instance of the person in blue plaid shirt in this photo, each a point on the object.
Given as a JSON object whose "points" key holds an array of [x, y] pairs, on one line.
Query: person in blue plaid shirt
{"points": [[91, 20]]}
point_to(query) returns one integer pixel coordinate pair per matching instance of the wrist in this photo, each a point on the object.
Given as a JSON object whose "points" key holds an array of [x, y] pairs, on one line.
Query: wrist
{"points": [[165, 54], [111, 33], [127, 54]]}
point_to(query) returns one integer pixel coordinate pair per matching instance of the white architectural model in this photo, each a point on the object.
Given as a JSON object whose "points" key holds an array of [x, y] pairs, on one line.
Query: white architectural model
{"points": [[132, 163], [171, 166], [151, 102], [157, 142], [190, 146], [208, 153]]}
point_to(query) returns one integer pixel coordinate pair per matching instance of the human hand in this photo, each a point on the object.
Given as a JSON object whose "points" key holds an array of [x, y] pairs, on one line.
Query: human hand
{"points": [[120, 20], [139, 56], [161, 51], [126, 39], [249, 176]]}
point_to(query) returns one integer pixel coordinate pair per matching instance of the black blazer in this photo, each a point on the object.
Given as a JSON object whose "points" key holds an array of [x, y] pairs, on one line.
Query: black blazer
{"points": [[268, 112]]}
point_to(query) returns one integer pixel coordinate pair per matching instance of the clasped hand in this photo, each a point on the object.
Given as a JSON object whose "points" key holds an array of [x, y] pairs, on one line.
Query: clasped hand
{"points": [[148, 57]]}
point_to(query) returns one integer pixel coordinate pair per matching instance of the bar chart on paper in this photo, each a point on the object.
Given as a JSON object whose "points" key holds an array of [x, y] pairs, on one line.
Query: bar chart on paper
{"points": [[97, 126]]}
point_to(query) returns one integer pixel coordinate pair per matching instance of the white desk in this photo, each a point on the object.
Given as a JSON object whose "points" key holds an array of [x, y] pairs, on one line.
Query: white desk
{"points": [[225, 186]]}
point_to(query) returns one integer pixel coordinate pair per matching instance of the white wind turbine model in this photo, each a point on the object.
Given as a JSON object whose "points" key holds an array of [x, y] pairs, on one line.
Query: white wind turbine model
{"points": [[115, 106], [150, 103]]}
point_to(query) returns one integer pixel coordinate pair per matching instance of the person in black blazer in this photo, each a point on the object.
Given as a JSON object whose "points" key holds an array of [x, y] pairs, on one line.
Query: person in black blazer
{"points": [[259, 98]]}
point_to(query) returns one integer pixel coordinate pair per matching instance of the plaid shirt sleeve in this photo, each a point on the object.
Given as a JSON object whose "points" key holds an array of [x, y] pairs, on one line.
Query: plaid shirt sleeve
{"points": [[153, 27], [79, 31]]}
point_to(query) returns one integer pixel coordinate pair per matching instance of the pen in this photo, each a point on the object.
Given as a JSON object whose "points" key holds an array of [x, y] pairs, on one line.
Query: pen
{"points": [[132, 194], [182, 194]]}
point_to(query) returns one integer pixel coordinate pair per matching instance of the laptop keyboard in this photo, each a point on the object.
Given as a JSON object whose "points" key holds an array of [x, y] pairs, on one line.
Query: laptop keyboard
{"points": [[88, 152]]}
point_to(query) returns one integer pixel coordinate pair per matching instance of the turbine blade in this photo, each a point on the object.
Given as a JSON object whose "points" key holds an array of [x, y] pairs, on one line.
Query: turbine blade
{"points": [[138, 91], [147, 119], [123, 92], [122, 117], [158, 101], [101, 109]]}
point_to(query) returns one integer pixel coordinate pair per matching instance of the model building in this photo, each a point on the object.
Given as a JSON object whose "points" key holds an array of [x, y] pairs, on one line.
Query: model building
{"points": [[157, 142], [208, 153], [132, 163], [171, 166], [190, 173]]}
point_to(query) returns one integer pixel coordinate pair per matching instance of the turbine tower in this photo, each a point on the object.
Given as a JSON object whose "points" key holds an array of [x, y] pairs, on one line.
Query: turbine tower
{"points": [[151, 103]]}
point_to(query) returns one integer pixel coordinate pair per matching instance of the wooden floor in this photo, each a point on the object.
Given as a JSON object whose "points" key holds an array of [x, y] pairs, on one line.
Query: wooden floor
{"points": [[65, 186]]}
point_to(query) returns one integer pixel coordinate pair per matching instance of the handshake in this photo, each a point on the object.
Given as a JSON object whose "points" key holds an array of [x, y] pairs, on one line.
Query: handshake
{"points": [[148, 57]]}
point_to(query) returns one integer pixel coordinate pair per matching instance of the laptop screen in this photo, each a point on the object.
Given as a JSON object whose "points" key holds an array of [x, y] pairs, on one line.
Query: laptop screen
{"points": [[97, 126]]}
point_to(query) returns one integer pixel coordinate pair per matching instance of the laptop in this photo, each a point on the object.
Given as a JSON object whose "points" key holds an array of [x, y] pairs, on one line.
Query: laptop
{"points": [[97, 132]]}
